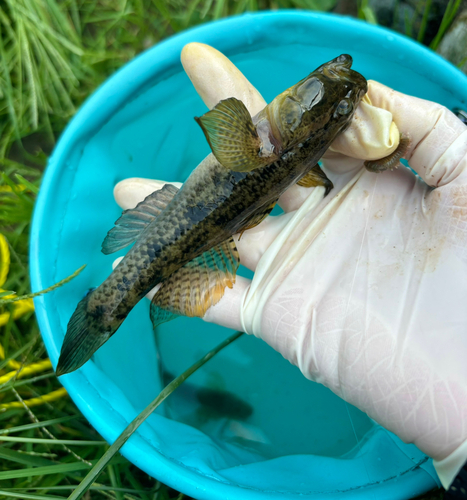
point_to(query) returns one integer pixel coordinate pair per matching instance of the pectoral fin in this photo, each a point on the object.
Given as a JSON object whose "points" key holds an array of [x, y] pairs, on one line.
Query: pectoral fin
{"points": [[135, 220], [198, 285], [233, 137], [316, 177]]}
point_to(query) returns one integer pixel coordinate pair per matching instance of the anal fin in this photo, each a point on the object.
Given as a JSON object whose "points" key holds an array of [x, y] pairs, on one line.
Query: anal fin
{"points": [[196, 286], [316, 177], [133, 221]]}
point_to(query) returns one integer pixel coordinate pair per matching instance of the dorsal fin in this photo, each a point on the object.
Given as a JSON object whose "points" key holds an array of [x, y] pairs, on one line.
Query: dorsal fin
{"points": [[133, 221], [233, 137], [198, 285]]}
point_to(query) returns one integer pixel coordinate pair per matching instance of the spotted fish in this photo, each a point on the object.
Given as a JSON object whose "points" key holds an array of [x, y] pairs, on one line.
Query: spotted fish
{"points": [[183, 237]]}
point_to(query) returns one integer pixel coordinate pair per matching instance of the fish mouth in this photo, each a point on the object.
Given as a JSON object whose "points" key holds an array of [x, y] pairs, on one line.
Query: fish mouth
{"points": [[339, 67], [344, 60]]}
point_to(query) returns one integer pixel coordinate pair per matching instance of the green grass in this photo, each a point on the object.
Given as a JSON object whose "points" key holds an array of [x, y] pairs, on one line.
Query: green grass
{"points": [[53, 54]]}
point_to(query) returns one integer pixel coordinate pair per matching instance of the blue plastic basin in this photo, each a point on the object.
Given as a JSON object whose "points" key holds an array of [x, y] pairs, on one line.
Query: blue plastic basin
{"points": [[295, 438]]}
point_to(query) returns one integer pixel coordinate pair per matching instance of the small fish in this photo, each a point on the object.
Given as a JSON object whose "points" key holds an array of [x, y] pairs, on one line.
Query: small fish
{"points": [[183, 237], [223, 404]]}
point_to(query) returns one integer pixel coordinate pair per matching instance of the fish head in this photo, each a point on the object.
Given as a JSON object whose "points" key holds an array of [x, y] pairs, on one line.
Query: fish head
{"points": [[321, 104]]}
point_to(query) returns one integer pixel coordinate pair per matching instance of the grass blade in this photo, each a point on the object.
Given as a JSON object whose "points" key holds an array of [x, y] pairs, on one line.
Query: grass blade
{"points": [[7, 87], [46, 290], [71, 487], [23, 458], [423, 25], [449, 14], [18, 383], [31, 74], [76, 442], [51, 469], [45, 423], [27, 496], [161, 6], [12, 357], [34, 189]]}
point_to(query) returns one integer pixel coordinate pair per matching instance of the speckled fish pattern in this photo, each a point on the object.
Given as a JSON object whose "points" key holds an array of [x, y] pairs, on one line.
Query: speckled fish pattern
{"points": [[217, 202]]}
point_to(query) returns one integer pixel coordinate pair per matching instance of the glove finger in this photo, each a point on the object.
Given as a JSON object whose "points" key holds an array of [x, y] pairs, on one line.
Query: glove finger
{"points": [[215, 77], [438, 149], [251, 244], [129, 192]]}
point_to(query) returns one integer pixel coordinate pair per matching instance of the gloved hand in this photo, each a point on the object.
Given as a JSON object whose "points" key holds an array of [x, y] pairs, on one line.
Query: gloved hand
{"points": [[364, 290]]}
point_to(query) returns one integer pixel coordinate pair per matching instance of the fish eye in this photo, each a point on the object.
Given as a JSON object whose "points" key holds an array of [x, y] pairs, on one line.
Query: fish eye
{"points": [[344, 107]]}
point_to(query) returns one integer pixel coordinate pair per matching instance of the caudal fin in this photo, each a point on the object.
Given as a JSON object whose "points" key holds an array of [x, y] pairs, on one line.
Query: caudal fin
{"points": [[85, 334]]}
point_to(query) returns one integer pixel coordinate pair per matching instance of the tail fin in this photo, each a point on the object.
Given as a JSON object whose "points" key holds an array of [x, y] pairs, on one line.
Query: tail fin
{"points": [[85, 334]]}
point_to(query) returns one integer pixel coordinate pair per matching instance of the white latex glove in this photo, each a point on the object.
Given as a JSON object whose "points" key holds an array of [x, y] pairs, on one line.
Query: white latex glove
{"points": [[364, 290]]}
